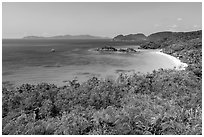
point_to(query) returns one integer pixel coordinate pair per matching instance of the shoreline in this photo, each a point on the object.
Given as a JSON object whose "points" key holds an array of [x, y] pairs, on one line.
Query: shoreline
{"points": [[178, 64]]}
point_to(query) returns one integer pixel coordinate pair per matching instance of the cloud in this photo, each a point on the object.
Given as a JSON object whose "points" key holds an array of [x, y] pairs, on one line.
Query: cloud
{"points": [[195, 26], [179, 19], [174, 26]]}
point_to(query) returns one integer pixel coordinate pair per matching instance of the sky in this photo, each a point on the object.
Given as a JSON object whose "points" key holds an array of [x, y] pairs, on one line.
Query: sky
{"points": [[100, 19]]}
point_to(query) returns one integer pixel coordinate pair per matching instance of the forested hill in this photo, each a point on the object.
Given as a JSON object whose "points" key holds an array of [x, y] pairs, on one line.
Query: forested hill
{"points": [[164, 102], [160, 36]]}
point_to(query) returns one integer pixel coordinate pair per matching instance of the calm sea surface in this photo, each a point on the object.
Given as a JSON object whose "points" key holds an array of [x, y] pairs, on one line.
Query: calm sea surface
{"points": [[30, 61]]}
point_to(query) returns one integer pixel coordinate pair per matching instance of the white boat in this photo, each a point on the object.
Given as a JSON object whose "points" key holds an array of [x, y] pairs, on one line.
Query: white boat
{"points": [[52, 50]]}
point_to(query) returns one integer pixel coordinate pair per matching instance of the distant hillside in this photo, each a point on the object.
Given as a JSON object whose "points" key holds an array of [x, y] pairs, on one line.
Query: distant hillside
{"points": [[160, 36], [67, 37], [131, 37], [167, 35], [164, 39]]}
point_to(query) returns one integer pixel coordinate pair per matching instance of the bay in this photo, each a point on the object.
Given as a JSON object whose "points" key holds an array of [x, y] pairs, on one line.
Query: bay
{"points": [[31, 61]]}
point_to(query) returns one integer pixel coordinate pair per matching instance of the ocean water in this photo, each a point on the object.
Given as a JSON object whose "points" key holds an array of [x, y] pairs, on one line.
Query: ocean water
{"points": [[30, 61]]}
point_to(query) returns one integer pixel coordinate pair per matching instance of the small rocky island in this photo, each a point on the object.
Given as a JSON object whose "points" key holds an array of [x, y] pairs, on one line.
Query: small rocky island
{"points": [[120, 50]]}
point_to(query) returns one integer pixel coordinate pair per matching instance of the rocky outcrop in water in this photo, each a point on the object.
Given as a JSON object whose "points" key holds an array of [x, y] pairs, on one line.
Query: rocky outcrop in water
{"points": [[112, 49], [106, 48]]}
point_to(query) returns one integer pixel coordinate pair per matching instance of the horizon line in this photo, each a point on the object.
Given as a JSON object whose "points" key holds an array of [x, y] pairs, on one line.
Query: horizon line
{"points": [[98, 35]]}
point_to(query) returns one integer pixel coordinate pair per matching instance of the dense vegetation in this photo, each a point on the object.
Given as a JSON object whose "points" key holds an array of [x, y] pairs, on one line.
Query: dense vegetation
{"points": [[157, 103]]}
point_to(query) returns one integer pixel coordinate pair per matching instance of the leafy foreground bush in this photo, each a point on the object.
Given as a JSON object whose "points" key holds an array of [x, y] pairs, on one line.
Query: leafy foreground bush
{"points": [[163, 102]]}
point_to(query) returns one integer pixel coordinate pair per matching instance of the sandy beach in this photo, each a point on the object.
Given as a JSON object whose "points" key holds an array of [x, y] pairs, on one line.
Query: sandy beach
{"points": [[178, 64]]}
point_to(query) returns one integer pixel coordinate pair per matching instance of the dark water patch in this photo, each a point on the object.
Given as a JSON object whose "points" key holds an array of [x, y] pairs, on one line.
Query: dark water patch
{"points": [[87, 74], [83, 73], [7, 73], [65, 81], [124, 71], [52, 66]]}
